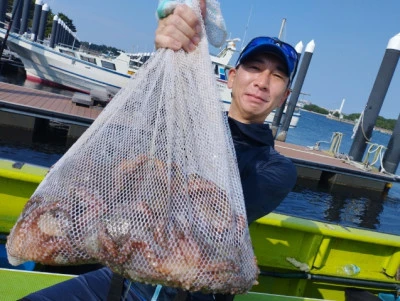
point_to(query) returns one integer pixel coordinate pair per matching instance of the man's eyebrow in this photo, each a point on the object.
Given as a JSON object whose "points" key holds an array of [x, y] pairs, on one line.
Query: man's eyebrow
{"points": [[281, 68]]}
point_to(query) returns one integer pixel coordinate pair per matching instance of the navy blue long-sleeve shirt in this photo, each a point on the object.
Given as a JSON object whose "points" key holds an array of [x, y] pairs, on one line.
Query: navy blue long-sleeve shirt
{"points": [[267, 176]]}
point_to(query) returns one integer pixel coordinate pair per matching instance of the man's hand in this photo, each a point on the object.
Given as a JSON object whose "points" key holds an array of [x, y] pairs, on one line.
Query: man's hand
{"points": [[181, 29]]}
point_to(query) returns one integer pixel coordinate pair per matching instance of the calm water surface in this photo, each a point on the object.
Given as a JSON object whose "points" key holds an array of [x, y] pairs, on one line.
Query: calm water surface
{"points": [[380, 213], [367, 212]]}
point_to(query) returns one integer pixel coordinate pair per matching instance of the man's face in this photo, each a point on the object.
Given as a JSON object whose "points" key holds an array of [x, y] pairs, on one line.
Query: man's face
{"points": [[259, 85]]}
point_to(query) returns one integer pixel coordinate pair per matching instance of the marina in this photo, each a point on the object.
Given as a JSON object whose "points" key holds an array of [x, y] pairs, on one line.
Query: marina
{"points": [[25, 108], [336, 233]]}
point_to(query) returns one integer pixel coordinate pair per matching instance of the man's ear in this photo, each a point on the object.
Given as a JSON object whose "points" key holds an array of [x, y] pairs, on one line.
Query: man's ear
{"points": [[231, 77]]}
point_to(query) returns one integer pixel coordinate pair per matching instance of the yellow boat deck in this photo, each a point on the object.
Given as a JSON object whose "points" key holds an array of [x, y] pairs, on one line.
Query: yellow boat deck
{"points": [[17, 284], [291, 249]]}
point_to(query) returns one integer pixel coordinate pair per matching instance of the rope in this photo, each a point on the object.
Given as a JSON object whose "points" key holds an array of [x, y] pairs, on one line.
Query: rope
{"points": [[316, 146], [362, 166], [366, 166], [360, 123], [394, 177], [378, 150], [336, 142]]}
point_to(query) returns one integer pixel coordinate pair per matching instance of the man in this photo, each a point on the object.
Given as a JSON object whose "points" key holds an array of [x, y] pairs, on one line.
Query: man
{"points": [[260, 83]]}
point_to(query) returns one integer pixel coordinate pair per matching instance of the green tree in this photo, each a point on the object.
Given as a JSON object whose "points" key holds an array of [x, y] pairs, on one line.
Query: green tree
{"points": [[49, 24], [353, 116], [101, 48], [67, 21], [316, 109], [388, 124]]}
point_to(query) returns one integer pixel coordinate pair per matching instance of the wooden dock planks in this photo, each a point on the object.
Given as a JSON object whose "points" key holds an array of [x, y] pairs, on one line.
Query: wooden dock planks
{"points": [[42, 101]]}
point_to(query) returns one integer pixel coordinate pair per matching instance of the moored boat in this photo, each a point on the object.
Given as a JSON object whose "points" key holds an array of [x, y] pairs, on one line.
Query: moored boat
{"points": [[69, 67], [299, 259]]}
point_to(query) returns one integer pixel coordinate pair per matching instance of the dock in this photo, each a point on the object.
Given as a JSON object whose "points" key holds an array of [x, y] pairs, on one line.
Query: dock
{"points": [[24, 107], [32, 102], [28, 109], [321, 169]]}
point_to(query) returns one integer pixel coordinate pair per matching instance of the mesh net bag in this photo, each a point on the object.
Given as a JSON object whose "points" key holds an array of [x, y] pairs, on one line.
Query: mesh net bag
{"points": [[151, 189]]}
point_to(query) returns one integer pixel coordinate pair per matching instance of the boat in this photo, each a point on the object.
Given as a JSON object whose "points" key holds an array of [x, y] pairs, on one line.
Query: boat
{"points": [[68, 67], [10, 61], [85, 71], [293, 122], [299, 259]]}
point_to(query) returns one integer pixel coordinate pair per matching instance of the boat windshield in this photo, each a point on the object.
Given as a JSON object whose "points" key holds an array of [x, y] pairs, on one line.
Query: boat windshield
{"points": [[137, 60]]}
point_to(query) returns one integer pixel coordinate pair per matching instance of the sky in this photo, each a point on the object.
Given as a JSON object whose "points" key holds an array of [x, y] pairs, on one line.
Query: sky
{"points": [[350, 39]]}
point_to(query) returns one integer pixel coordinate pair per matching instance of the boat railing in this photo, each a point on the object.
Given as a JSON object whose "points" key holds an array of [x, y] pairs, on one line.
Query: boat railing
{"points": [[89, 51], [138, 59], [73, 48]]}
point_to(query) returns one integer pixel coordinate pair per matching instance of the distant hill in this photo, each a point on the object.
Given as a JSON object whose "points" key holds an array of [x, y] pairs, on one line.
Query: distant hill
{"points": [[381, 122]]}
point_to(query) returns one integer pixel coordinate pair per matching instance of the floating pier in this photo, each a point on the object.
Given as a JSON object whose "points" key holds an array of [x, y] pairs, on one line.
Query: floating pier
{"points": [[32, 109], [27, 108], [321, 169]]}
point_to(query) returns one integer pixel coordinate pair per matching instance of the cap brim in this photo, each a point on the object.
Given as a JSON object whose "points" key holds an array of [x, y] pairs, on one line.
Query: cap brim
{"points": [[270, 48]]}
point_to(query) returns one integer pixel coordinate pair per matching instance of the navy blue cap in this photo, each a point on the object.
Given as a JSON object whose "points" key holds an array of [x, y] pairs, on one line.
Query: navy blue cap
{"points": [[275, 46]]}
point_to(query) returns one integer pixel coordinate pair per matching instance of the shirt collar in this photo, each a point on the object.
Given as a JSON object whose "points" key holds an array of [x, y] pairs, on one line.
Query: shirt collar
{"points": [[253, 133]]}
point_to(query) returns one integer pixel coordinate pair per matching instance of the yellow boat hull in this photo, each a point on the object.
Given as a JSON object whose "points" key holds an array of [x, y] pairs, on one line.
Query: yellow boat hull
{"points": [[17, 183], [300, 257], [285, 246]]}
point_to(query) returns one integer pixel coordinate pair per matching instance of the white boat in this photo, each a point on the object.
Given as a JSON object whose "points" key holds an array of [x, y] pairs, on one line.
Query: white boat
{"points": [[71, 68], [85, 71]]}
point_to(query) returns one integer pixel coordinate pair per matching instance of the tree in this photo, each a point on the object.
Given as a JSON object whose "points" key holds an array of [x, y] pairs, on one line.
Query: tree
{"points": [[102, 48], [315, 108], [67, 21]]}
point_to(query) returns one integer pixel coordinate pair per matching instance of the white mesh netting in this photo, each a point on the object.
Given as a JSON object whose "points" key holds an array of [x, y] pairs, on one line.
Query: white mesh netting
{"points": [[151, 189]]}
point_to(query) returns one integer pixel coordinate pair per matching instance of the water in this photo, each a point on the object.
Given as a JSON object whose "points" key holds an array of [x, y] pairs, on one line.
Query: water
{"points": [[367, 212]]}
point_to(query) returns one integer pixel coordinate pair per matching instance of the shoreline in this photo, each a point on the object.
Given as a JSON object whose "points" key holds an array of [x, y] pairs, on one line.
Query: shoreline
{"points": [[378, 129]]}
